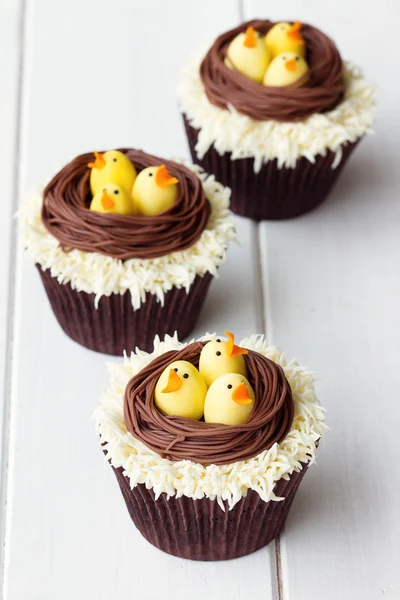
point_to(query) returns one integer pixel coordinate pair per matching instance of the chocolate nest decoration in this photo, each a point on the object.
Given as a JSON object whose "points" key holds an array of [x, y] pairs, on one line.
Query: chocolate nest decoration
{"points": [[177, 438], [321, 93], [66, 214]]}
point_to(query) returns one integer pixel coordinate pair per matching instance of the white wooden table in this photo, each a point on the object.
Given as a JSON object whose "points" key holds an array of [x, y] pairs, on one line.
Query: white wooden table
{"points": [[80, 75]]}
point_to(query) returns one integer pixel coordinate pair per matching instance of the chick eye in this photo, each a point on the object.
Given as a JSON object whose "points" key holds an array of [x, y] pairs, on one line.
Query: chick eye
{"points": [[185, 376], [150, 174], [229, 386], [218, 340], [176, 370], [218, 353], [297, 57], [116, 192], [114, 159]]}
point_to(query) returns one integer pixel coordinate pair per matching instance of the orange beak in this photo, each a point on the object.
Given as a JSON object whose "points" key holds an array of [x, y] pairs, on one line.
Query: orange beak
{"points": [[240, 395], [98, 163], [164, 178], [106, 201], [232, 349], [250, 39], [174, 382], [291, 65], [294, 33]]}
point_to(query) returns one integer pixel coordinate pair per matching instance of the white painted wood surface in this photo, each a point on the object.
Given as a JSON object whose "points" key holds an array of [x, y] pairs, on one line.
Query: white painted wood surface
{"points": [[99, 77], [10, 69]]}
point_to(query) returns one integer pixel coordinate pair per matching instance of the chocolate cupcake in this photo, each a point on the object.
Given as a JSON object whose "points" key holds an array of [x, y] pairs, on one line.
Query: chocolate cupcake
{"points": [[279, 147], [114, 281], [219, 487]]}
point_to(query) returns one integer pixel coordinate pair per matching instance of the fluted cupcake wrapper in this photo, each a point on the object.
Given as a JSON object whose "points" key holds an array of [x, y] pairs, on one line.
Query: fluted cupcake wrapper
{"points": [[272, 193], [115, 325], [200, 529]]}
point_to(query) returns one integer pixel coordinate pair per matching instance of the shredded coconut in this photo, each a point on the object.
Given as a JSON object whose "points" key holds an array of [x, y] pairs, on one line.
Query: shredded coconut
{"points": [[92, 272], [225, 482], [231, 131]]}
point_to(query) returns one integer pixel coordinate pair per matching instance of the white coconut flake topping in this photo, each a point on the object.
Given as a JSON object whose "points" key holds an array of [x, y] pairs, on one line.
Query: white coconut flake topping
{"points": [[225, 482], [92, 272], [227, 130]]}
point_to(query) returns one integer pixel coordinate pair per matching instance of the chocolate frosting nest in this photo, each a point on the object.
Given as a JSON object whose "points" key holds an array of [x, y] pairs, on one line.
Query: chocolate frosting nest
{"points": [[66, 214], [177, 438], [322, 92]]}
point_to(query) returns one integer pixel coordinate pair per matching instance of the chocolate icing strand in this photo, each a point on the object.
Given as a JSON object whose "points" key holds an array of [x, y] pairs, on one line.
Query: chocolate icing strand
{"points": [[208, 443], [66, 214], [321, 93]]}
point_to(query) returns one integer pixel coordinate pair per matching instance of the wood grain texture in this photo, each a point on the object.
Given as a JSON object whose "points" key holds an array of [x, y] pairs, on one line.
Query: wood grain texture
{"points": [[332, 290], [102, 78]]}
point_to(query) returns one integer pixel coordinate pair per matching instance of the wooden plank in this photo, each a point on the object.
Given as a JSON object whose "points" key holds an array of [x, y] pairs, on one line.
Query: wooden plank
{"points": [[331, 290], [332, 300], [10, 66], [9, 102], [101, 79]]}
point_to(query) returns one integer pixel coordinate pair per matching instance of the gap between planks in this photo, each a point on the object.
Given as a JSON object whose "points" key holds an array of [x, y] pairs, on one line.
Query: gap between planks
{"points": [[264, 325], [278, 557], [11, 296], [241, 10]]}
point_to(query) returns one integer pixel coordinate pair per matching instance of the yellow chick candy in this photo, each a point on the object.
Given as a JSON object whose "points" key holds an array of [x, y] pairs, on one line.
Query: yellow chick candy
{"points": [[284, 37], [230, 400], [154, 191], [112, 166], [286, 69], [112, 198], [248, 54], [181, 391], [219, 357]]}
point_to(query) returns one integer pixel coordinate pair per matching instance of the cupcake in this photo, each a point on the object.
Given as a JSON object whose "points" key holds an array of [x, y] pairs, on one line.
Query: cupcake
{"points": [[209, 442], [126, 259], [274, 113]]}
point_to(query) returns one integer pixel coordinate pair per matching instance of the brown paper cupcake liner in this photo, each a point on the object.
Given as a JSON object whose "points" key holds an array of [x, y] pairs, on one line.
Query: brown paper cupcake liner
{"points": [[200, 529], [272, 193], [115, 326]]}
